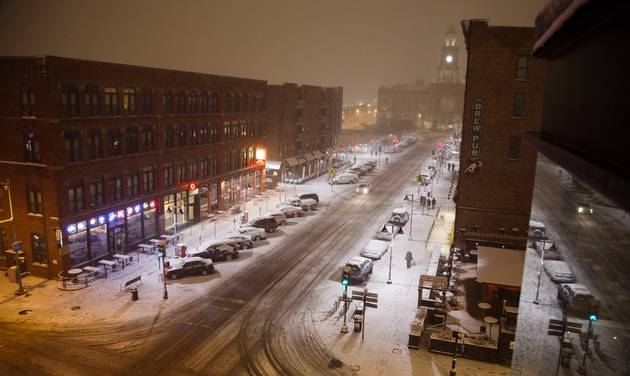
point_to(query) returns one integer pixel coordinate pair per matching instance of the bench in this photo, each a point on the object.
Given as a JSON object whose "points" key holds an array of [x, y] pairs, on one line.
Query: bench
{"points": [[106, 263], [92, 271], [132, 283]]}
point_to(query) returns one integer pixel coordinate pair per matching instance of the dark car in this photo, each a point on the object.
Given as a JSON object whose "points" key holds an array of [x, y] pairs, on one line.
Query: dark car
{"points": [[219, 252], [310, 195], [187, 266], [269, 224]]}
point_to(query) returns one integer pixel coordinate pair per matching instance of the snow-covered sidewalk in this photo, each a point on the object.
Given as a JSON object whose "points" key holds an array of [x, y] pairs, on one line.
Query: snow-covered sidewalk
{"points": [[385, 351]]}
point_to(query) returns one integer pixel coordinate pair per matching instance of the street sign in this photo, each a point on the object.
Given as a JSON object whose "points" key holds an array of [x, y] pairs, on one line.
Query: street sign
{"points": [[371, 305], [554, 333]]}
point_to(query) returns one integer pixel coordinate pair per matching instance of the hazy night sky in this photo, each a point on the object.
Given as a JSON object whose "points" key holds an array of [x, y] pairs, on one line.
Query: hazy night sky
{"points": [[355, 44]]}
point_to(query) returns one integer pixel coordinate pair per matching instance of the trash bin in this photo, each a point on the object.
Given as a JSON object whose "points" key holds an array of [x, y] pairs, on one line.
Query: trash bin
{"points": [[358, 322], [134, 293], [12, 272]]}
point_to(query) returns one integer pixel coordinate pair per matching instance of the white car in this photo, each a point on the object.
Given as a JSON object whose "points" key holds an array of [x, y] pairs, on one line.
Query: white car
{"points": [[254, 232], [241, 239], [345, 179], [375, 249], [558, 271], [291, 211]]}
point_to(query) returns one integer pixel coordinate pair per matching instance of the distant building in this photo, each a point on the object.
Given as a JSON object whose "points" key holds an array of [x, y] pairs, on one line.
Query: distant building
{"points": [[302, 127], [100, 157], [357, 116], [438, 105], [504, 98]]}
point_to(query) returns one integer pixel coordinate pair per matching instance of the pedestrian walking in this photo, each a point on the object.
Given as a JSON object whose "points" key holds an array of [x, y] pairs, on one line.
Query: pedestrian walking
{"points": [[423, 201], [386, 160], [409, 258], [433, 203]]}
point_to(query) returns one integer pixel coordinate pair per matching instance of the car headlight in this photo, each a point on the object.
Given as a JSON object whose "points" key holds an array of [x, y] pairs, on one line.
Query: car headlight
{"points": [[365, 190], [580, 210]]}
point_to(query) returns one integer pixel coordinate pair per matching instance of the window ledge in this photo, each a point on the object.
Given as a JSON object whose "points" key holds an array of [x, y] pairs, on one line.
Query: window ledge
{"points": [[35, 215], [521, 79], [518, 117], [39, 264]]}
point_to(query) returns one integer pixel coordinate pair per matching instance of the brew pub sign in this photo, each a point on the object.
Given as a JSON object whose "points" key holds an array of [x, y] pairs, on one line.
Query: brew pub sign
{"points": [[476, 125]]}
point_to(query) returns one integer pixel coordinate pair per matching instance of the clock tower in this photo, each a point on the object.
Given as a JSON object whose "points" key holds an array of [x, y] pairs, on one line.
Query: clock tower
{"points": [[448, 70]]}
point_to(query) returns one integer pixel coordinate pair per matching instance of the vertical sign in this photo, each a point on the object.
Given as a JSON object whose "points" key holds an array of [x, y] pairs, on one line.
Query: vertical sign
{"points": [[475, 135]]}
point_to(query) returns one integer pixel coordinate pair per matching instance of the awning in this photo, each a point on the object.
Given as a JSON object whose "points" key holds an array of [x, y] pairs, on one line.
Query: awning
{"points": [[500, 266], [292, 161], [309, 156], [273, 165], [318, 154]]}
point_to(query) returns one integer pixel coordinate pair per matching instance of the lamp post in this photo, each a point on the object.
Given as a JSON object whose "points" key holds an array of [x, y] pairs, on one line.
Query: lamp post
{"points": [[411, 215], [174, 212], [542, 258], [6, 185], [391, 250]]}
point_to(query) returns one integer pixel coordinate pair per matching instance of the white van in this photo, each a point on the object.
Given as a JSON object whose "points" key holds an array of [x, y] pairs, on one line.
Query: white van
{"points": [[375, 249]]}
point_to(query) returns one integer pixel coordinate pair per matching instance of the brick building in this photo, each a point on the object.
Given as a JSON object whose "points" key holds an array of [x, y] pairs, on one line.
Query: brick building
{"points": [[503, 102], [101, 156], [438, 105], [301, 128]]}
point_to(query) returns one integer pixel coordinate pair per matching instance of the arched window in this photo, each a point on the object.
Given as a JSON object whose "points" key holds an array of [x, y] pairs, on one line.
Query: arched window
{"points": [[31, 148], [90, 99], [147, 101]]}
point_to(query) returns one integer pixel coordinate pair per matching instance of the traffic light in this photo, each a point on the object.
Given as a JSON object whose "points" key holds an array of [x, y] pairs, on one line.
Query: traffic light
{"points": [[345, 275], [593, 311], [160, 246], [439, 144], [456, 334]]}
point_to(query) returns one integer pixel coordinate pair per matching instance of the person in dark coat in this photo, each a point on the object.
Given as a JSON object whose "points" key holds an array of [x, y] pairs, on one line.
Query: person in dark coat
{"points": [[409, 258], [433, 203]]}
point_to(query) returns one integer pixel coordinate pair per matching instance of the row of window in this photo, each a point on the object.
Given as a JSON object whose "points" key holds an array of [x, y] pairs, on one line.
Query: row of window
{"points": [[38, 246], [110, 101], [142, 181], [110, 143]]}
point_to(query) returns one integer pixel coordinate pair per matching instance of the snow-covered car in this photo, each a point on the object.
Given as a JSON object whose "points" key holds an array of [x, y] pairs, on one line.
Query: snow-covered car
{"points": [[218, 252], [254, 232], [345, 179], [558, 271], [361, 268], [311, 195], [307, 204], [375, 249], [575, 297], [243, 241], [536, 229], [181, 267], [279, 216], [400, 216], [291, 211], [382, 235]]}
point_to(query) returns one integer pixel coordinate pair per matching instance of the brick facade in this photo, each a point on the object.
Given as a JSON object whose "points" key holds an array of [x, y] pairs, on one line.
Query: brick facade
{"points": [[93, 138], [503, 102]]}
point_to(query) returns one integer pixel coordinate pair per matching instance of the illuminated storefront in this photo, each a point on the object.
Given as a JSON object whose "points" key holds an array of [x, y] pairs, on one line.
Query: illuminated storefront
{"points": [[117, 231]]}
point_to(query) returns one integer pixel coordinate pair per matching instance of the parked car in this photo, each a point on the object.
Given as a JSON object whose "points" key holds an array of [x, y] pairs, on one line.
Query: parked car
{"points": [[291, 211], [363, 188], [575, 297], [375, 249], [307, 204], [181, 267], [310, 195], [536, 229], [254, 232], [220, 251], [558, 271], [345, 179], [400, 216], [269, 224], [382, 235], [361, 268], [280, 218], [243, 241]]}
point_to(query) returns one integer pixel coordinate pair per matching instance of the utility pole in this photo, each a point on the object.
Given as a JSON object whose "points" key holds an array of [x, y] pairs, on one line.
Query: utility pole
{"points": [[161, 247], [395, 230], [411, 215], [457, 336]]}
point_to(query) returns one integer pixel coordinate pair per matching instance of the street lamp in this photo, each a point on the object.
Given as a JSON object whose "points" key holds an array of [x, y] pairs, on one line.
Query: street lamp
{"points": [[391, 250], [174, 212], [542, 258], [411, 215]]}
